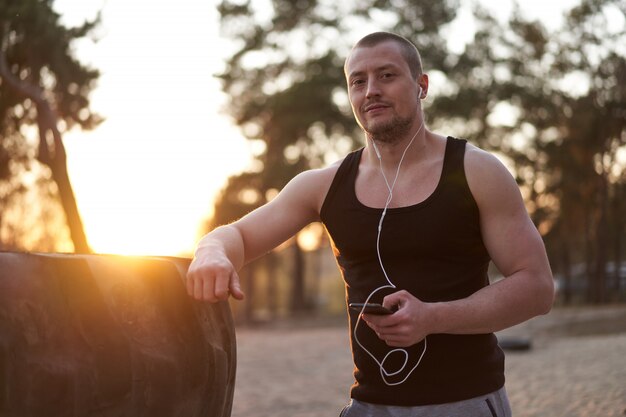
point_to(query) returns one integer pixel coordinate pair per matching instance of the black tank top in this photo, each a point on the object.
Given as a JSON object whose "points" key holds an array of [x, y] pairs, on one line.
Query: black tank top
{"points": [[432, 249]]}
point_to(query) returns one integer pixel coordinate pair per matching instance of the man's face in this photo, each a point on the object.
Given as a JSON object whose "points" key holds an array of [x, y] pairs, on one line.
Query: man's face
{"points": [[382, 91]]}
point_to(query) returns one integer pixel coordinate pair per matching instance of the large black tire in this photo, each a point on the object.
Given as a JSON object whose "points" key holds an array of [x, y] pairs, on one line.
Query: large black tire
{"points": [[105, 335]]}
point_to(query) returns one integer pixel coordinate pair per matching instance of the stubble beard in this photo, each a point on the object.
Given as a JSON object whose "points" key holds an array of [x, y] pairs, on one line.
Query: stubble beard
{"points": [[390, 132]]}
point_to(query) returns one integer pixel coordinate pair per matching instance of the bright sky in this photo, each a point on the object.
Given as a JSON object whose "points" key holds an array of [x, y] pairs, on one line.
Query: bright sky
{"points": [[145, 179]]}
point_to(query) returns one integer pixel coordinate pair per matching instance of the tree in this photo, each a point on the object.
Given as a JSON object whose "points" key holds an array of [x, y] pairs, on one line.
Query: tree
{"points": [[567, 92], [42, 85], [287, 90], [603, 130], [562, 93], [584, 130]]}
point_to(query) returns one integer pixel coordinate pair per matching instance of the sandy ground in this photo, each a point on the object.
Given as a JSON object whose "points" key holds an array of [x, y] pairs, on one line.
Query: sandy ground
{"points": [[576, 367]]}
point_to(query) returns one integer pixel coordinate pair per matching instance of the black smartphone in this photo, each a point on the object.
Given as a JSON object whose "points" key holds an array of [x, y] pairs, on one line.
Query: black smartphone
{"points": [[370, 308]]}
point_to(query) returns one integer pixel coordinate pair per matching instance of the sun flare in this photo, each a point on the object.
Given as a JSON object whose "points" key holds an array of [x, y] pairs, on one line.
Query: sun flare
{"points": [[139, 194]]}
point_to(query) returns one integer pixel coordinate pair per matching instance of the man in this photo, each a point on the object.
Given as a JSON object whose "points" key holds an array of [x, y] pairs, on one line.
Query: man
{"points": [[414, 218]]}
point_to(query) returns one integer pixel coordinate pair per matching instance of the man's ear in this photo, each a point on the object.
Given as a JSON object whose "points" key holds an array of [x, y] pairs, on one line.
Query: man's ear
{"points": [[423, 79]]}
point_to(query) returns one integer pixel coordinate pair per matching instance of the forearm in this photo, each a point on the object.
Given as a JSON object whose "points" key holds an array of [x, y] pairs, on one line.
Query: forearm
{"points": [[227, 241], [508, 302]]}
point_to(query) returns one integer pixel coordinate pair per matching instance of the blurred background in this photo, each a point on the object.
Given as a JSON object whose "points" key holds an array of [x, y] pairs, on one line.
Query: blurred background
{"points": [[136, 126]]}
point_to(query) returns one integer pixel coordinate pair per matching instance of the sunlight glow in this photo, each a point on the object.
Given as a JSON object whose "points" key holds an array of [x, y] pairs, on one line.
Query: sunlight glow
{"points": [[145, 179]]}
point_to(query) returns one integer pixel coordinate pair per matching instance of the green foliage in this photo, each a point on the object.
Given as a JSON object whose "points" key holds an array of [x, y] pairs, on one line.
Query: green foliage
{"points": [[564, 91], [38, 60], [286, 85], [38, 49]]}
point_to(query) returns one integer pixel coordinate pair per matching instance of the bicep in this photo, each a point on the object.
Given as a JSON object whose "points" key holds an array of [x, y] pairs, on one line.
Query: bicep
{"points": [[273, 223], [512, 241]]}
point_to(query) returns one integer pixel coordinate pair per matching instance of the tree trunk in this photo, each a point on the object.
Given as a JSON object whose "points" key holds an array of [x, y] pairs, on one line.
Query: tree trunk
{"points": [[566, 272], [272, 288], [599, 287], [247, 279], [51, 153], [298, 298], [55, 158], [315, 270], [617, 241], [589, 253]]}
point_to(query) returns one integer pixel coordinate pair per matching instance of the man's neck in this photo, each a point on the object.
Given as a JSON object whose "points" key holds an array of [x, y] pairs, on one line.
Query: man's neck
{"points": [[412, 147]]}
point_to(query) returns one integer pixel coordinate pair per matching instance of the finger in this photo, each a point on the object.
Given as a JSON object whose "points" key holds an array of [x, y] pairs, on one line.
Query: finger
{"points": [[197, 288], [220, 291], [391, 340], [235, 287], [379, 322], [368, 318], [395, 300], [189, 283], [377, 319], [396, 343], [371, 321]]}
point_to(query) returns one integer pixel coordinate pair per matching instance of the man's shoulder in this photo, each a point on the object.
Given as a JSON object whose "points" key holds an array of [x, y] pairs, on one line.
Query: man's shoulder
{"points": [[481, 162], [488, 176], [311, 186], [319, 174]]}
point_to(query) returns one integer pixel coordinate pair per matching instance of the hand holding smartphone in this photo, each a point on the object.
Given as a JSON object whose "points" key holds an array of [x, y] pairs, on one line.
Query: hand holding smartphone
{"points": [[370, 308]]}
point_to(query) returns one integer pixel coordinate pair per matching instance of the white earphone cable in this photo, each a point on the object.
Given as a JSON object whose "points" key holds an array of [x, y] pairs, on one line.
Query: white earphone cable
{"points": [[381, 364]]}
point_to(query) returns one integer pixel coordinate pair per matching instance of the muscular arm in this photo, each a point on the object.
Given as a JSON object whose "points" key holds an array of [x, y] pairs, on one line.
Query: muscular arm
{"points": [[213, 273], [516, 249]]}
